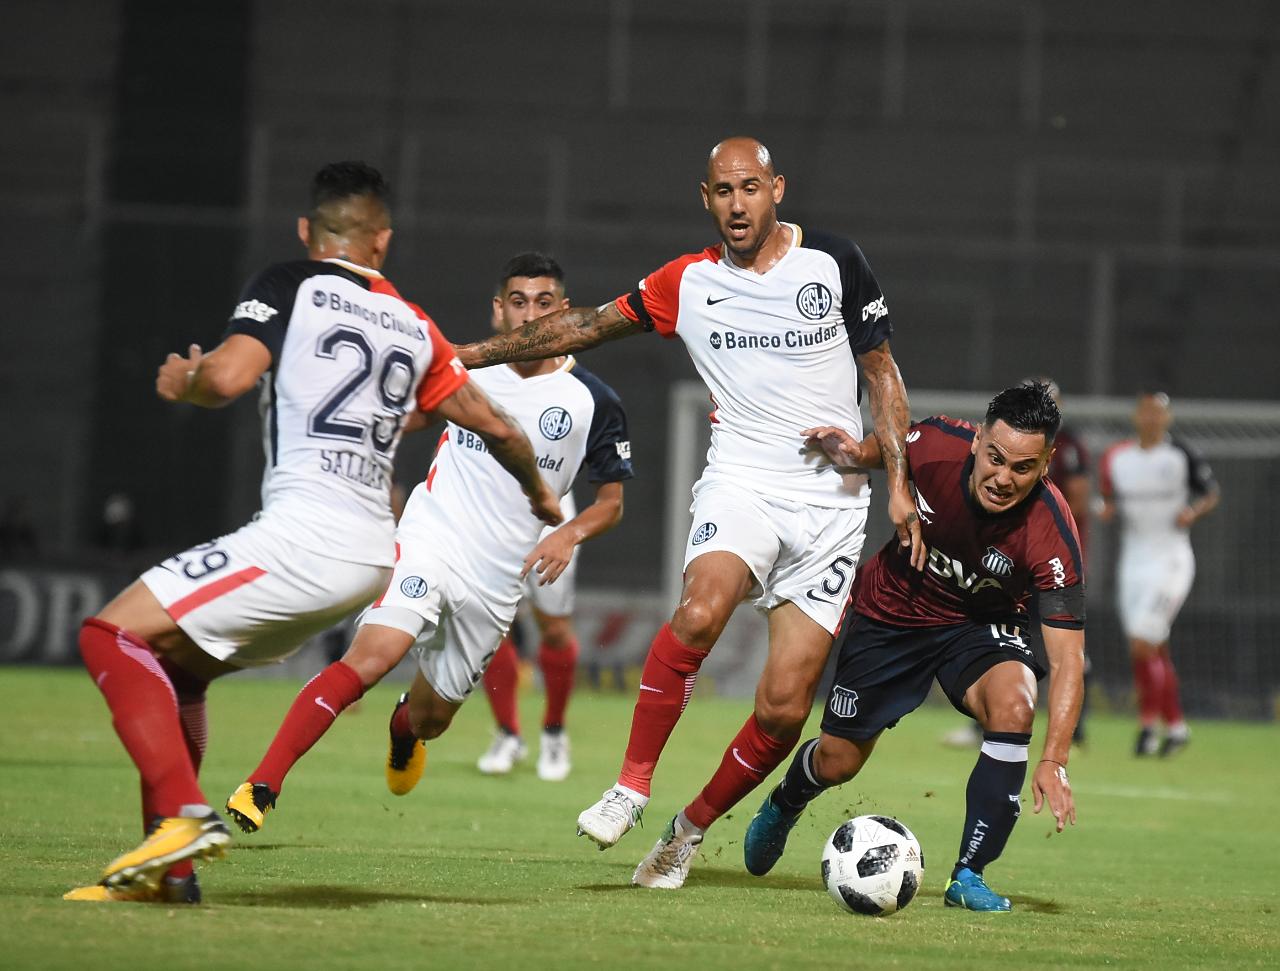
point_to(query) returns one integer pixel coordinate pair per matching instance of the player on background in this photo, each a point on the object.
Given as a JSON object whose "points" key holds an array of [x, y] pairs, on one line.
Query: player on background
{"points": [[343, 359], [533, 286], [463, 545], [1158, 487], [995, 529], [778, 322]]}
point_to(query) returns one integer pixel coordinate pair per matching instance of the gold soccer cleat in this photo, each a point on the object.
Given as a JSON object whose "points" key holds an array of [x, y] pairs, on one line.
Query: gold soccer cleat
{"points": [[406, 758], [249, 805], [174, 838]]}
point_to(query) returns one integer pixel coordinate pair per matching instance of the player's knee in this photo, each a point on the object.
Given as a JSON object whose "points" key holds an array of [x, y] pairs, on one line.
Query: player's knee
{"points": [[698, 623], [781, 717], [836, 762], [1013, 712], [557, 633]]}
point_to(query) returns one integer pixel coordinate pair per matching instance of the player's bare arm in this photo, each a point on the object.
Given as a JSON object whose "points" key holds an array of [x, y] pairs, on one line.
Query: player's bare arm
{"points": [[216, 379], [475, 411], [1049, 782], [563, 332], [843, 449], [552, 554], [891, 416]]}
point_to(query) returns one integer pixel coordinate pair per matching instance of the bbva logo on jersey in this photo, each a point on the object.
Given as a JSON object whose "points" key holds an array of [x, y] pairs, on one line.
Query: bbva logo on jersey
{"points": [[555, 423], [814, 301]]}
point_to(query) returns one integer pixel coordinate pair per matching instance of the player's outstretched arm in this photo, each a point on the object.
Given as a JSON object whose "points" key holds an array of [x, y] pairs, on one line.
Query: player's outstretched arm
{"points": [[477, 412], [891, 416], [563, 332], [1049, 782], [215, 379], [552, 554], [843, 449]]}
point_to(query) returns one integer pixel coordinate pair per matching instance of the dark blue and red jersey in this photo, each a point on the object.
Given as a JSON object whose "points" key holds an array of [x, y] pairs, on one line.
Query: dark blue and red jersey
{"points": [[982, 566]]}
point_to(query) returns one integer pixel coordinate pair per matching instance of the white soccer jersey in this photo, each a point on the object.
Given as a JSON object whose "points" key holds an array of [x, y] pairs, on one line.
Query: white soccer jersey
{"points": [[474, 508], [350, 358], [1151, 486], [777, 352]]}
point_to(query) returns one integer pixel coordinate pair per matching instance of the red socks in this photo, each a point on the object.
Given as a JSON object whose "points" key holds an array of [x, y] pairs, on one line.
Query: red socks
{"points": [[1149, 678], [144, 711], [500, 680], [320, 701], [558, 664], [666, 683], [1170, 705], [748, 760]]}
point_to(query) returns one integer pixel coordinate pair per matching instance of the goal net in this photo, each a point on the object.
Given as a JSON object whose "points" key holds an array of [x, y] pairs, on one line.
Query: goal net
{"points": [[1222, 640]]}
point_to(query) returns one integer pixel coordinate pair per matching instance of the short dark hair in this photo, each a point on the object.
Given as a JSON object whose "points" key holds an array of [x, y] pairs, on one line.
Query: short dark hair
{"points": [[1028, 408], [531, 264], [342, 180]]}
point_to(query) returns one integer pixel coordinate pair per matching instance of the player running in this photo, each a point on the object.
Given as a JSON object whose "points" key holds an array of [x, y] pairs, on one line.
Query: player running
{"points": [[465, 541], [533, 285], [995, 529], [343, 360], [778, 321], [1159, 487]]}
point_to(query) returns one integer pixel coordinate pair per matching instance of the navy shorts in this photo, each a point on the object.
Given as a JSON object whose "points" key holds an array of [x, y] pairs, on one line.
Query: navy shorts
{"points": [[883, 672]]}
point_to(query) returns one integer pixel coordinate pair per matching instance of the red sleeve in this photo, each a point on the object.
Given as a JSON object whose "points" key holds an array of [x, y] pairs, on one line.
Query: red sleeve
{"points": [[1054, 543], [655, 303], [938, 437], [445, 374], [1104, 470]]}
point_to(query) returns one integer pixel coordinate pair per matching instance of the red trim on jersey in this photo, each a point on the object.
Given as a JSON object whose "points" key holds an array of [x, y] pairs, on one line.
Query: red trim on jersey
{"points": [[210, 591], [660, 292], [715, 410], [445, 374], [378, 602], [1105, 486]]}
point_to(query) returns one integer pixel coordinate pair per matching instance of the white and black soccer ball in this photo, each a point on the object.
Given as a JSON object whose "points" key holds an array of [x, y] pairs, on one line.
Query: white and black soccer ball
{"points": [[872, 865]]}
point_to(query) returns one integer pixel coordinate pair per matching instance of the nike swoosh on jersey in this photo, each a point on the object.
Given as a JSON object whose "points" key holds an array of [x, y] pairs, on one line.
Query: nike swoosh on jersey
{"points": [[320, 702], [645, 687], [712, 303], [821, 600]]}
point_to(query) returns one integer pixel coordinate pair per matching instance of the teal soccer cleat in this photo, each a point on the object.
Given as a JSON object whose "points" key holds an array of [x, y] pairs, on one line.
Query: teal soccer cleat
{"points": [[766, 837], [967, 889]]}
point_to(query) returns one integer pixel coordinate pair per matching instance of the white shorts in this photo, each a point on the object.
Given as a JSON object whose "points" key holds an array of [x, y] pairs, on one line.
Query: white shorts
{"points": [[797, 552], [1152, 586], [457, 630], [552, 599], [252, 597]]}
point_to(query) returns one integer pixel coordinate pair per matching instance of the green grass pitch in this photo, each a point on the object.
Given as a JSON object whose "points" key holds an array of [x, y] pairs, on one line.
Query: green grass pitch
{"points": [[1173, 864]]}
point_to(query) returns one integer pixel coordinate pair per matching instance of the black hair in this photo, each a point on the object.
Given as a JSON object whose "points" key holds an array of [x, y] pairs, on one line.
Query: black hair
{"points": [[342, 180], [530, 264], [1028, 408]]}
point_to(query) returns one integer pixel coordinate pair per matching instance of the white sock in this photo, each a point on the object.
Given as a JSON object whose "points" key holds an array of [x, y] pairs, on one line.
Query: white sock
{"points": [[195, 810], [638, 798], [686, 829]]}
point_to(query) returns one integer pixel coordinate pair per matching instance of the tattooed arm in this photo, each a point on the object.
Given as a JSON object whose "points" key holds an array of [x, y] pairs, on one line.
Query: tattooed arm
{"points": [[562, 332], [891, 416], [502, 435]]}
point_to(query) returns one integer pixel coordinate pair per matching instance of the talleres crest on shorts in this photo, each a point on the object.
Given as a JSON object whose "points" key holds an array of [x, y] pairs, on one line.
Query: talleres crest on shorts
{"points": [[813, 301], [413, 587], [555, 423], [997, 563], [703, 533], [844, 702]]}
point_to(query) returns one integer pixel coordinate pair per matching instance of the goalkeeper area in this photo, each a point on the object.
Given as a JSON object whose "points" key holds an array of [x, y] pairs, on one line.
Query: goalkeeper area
{"points": [[1223, 639], [1172, 863]]}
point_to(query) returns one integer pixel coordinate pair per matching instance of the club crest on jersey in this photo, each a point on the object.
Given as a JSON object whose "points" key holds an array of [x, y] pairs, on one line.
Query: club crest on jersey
{"points": [[413, 587], [555, 423], [997, 563], [844, 703], [813, 301], [703, 533]]}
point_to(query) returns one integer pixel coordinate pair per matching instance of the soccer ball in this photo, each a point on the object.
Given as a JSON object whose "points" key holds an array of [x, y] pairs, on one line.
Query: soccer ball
{"points": [[872, 865]]}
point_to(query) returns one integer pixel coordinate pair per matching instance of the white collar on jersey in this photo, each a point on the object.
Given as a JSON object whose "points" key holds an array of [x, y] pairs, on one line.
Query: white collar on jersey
{"points": [[569, 363], [353, 267], [796, 235]]}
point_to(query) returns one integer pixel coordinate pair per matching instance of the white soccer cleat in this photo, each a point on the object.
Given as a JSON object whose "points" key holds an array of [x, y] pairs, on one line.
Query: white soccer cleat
{"points": [[667, 865], [503, 754], [553, 756], [609, 820]]}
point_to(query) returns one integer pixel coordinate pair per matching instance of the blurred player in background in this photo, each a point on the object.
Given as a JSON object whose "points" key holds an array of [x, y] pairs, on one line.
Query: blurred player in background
{"points": [[996, 531], [464, 543], [343, 359], [1069, 471], [779, 322], [533, 285], [1157, 486]]}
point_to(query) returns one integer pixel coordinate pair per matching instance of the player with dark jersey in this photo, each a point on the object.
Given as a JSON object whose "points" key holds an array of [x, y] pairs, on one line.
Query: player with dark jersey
{"points": [[996, 530]]}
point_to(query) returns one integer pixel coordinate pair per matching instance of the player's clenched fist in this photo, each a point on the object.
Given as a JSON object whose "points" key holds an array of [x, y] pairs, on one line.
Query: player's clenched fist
{"points": [[174, 375]]}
